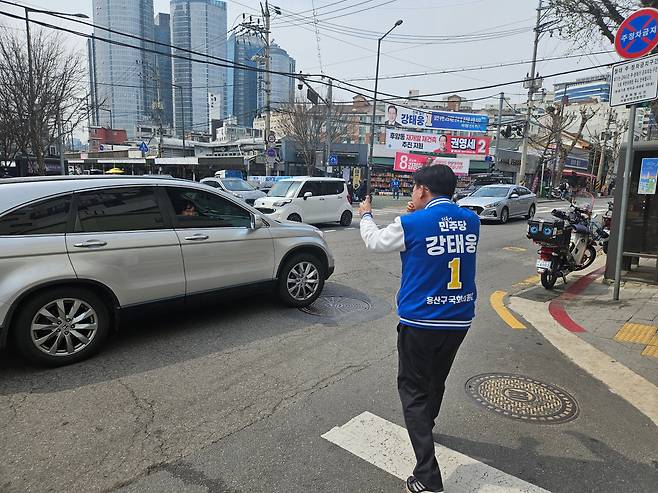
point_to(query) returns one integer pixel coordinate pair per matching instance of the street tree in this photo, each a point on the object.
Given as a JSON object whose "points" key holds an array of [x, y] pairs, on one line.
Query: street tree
{"points": [[36, 102], [562, 130], [305, 125]]}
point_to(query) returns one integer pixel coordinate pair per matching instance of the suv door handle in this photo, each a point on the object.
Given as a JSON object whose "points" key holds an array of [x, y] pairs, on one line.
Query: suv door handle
{"points": [[90, 244], [197, 237]]}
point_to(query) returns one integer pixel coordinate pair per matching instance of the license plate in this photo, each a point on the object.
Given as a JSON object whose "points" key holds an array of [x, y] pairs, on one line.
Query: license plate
{"points": [[543, 264]]}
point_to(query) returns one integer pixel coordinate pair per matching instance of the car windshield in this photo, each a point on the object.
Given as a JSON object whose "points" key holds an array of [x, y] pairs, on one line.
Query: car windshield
{"points": [[285, 188], [237, 185], [491, 192]]}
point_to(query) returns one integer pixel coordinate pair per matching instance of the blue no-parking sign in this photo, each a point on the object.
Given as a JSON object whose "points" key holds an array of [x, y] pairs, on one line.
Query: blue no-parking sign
{"points": [[638, 34]]}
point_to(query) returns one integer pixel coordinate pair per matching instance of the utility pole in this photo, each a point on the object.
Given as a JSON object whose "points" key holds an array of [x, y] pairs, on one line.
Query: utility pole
{"points": [[500, 124], [328, 124], [531, 91], [268, 83], [604, 143], [60, 142]]}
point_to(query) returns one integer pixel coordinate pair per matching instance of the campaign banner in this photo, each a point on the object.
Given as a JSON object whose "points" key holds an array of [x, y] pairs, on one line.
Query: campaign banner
{"points": [[411, 163], [403, 140], [466, 145], [397, 116]]}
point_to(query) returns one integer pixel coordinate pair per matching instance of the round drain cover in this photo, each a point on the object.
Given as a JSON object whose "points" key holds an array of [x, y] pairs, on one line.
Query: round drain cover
{"points": [[330, 306], [522, 398]]}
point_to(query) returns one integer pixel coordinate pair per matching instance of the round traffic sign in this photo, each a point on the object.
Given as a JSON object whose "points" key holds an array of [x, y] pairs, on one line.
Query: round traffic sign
{"points": [[638, 34], [271, 138]]}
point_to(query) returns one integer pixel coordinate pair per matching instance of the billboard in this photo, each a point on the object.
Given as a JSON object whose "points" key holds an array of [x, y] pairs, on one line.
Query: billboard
{"points": [[410, 163], [403, 140], [398, 117], [648, 176]]}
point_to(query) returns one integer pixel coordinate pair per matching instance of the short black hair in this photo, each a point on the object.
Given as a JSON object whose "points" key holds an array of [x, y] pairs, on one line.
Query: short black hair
{"points": [[394, 107], [439, 179]]}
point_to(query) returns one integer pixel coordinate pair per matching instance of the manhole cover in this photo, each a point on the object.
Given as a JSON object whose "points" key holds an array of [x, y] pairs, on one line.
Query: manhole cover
{"points": [[329, 306], [522, 398]]}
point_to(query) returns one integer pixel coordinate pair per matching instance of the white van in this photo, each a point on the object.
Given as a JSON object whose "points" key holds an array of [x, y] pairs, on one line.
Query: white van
{"points": [[308, 200]]}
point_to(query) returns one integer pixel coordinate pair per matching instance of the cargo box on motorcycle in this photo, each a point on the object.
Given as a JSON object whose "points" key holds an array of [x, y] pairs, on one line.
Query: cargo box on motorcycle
{"points": [[551, 232]]}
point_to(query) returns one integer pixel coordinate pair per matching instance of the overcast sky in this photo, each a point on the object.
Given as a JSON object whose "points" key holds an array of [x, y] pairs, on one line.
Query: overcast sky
{"points": [[347, 56]]}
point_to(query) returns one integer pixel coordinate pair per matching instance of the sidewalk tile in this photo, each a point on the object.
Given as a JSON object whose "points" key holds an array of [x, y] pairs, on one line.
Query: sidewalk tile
{"points": [[650, 351], [636, 333]]}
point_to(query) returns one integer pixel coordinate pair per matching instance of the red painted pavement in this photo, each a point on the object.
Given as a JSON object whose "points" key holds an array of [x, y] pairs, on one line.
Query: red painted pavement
{"points": [[557, 307]]}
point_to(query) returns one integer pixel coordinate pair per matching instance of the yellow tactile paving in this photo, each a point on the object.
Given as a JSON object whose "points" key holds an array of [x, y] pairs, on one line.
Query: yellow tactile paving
{"points": [[636, 333], [650, 351], [653, 341]]}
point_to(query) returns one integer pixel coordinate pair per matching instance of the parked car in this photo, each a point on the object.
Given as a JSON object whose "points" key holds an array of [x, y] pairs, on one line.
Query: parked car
{"points": [[500, 202], [309, 200], [237, 187], [479, 181], [79, 252]]}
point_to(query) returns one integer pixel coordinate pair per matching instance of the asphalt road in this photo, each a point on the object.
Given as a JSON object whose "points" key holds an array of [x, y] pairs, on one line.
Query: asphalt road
{"points": [[235, 397]]}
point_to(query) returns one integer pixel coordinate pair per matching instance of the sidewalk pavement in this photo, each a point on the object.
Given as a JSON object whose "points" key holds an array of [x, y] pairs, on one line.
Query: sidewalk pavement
{"points": [[626, 330]]}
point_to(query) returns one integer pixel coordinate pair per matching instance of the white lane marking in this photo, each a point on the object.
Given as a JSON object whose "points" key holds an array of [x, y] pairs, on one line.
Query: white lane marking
{"points": [[619, 379], [386, 445], [329, 230], [350, 228]]}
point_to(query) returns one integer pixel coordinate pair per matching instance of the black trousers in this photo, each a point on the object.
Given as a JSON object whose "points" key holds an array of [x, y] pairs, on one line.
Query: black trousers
{"points": [[425, 358]]}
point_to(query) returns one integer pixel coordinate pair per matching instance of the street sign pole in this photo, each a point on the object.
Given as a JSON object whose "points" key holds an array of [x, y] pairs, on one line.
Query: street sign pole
{"points": [[626, 185]]}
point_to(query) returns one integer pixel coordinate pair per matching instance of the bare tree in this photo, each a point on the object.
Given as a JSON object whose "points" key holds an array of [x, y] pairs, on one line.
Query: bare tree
{"points": [[305, 125], [56, 96], [558, 136]]}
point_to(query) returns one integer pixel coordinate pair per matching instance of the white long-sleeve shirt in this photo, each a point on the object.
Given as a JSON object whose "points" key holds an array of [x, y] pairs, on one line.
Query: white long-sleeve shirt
{"points": [[388, 239]]}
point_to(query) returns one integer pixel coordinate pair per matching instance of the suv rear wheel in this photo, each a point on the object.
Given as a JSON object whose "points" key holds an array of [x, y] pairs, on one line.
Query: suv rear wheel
{"points": [[61, 326], [301, 280], [346, 218]]}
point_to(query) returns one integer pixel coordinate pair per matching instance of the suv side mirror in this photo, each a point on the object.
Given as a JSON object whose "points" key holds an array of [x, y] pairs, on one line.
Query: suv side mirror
{"points": [[257, 222], [307, 195], [514, 196]]}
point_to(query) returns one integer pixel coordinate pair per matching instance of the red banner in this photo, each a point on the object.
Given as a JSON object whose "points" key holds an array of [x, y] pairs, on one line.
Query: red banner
{"points": [[409, 162], [413, 162], [465, 145]]}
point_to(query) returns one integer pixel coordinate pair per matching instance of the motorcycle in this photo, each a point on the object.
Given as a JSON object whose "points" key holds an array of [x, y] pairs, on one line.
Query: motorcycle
{"points": [[567, 244]]}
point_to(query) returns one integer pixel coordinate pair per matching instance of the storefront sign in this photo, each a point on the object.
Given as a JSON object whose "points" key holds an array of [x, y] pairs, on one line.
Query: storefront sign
{"points": [[411, 163], [397, 116], [648, 176]]}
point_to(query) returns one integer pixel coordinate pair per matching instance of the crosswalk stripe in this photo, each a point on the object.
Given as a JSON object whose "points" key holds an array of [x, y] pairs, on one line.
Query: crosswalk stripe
{"points": [[386, 445]]}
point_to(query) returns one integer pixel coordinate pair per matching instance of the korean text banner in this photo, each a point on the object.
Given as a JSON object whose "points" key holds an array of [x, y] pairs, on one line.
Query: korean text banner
{"points": [[397, 116], [403, 140], [405, 161]]}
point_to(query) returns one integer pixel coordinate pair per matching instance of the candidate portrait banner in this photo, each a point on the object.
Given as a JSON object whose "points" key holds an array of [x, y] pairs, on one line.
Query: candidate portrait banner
{"points": [[404, 140], [410, 163], [398, 117]]}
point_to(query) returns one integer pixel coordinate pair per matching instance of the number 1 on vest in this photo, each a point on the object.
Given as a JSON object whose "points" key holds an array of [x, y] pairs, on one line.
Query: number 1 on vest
{"points": [[454, 266]]}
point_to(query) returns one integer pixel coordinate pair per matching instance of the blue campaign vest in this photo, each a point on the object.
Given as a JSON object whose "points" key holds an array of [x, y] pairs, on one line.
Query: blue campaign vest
{"points": [[438, 289]]}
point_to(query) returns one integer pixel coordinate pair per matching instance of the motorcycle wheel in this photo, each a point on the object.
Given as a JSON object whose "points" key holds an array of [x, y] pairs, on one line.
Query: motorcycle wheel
{"points": [[588, 258], [548, 279]]}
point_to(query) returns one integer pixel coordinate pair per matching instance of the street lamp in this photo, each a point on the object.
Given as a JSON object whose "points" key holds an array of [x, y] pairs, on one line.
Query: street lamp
{"points": [[374, 107], [30, 78]]}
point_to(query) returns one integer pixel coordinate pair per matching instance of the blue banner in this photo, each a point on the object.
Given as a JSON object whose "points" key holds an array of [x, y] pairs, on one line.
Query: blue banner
{"points": [[400, 117]]}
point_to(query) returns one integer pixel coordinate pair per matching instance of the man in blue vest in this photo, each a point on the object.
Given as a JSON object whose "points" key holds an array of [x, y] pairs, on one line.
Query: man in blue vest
{"points": [[395, 188], [437, 242]]}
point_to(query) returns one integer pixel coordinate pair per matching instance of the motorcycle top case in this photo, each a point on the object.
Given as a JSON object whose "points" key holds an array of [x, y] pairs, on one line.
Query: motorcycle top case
{"points": [[551, 232]]}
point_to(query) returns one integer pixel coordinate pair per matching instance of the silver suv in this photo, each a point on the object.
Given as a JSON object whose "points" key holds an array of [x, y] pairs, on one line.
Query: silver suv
{"points": [[78, 252]]}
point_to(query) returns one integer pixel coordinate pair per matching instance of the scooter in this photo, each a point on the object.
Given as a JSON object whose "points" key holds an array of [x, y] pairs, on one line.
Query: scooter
{"points": [[566, 244]]}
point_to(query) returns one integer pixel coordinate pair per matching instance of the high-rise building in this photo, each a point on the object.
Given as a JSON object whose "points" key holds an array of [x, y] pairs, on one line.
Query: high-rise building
{"points": [[243, 92], [198, 25], [163, 66], [120, 85], [597, 87], [283, 87]]}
